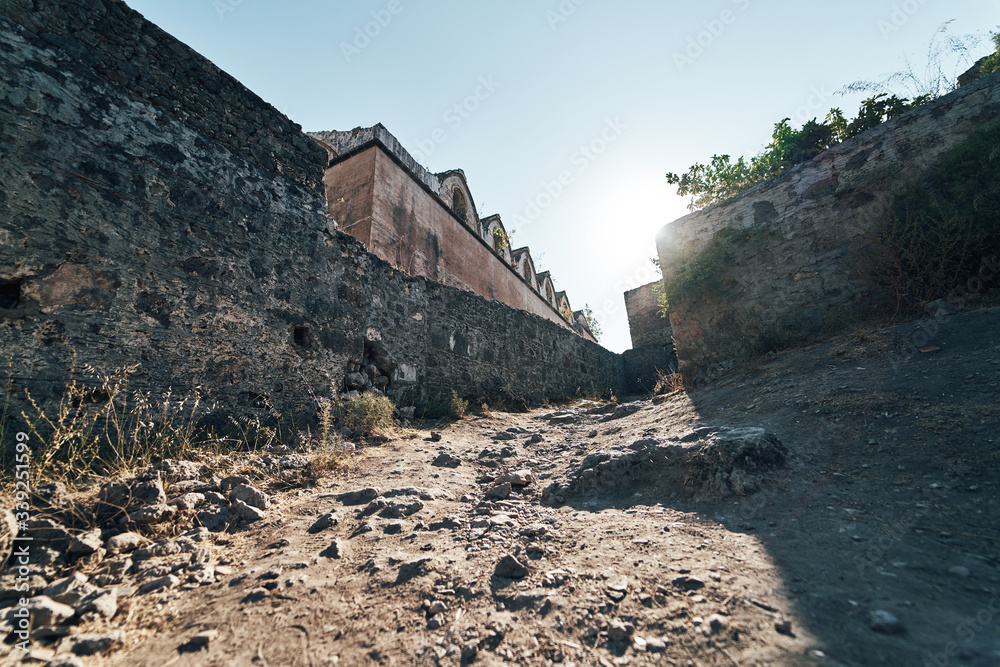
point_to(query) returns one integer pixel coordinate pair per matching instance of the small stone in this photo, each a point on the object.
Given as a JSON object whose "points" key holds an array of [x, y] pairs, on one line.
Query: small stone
{"points": [[360, 496], [84, 544], [518, 478], [255, 595], [619, 584], [783, 626], [501, 491], [188, 501], [152, 514], [511, 568], [446, 460], [960, 570], [688, 583], [217, 518], [247, 512], [435, 436], [332, 551], [69, 590], [717, 622], [469, 652], [322, 523], [619, 631], [250, 495], [655, 645], [98, 643], [102, 601], [884, 621], [435, 622], [158, 584], [45, 611], [233, 480], [436, 607], [203, 639]]}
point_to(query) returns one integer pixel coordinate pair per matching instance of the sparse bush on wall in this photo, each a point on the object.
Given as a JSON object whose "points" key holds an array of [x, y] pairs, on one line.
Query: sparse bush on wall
{"points": [[705, 272], [936, 233]]}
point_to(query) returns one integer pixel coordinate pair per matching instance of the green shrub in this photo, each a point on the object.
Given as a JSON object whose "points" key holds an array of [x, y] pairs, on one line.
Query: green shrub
{"points": [[369, 413]]}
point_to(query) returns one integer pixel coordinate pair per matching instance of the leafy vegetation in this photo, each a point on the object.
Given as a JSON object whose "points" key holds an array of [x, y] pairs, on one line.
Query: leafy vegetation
{"points": [[592, 323], [935, 234], [992, 62], [724, 177]]}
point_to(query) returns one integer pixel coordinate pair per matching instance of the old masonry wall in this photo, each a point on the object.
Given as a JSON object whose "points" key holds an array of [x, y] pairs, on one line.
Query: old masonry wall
{"points": [[154, 212]]}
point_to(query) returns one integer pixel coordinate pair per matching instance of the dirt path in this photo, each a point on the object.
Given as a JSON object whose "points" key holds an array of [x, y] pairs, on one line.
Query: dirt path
{"points": [[875, 541]]}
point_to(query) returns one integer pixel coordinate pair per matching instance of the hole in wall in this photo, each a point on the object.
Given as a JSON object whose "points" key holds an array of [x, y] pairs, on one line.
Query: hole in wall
{"points": [[10, 293], [300, 335]]}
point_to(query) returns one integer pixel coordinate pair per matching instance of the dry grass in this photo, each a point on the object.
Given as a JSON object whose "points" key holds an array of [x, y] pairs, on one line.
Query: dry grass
{"points": [[370, 414], [457, 406], [668, 383]]}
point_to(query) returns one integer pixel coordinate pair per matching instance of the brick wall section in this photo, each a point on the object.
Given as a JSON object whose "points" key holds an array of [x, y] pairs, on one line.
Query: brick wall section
{"points": [[800, 274], [380, 196], [153, 211]]}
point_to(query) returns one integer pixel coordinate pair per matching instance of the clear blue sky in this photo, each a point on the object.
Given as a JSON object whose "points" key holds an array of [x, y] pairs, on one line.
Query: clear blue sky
{"points": [[628, 78]]}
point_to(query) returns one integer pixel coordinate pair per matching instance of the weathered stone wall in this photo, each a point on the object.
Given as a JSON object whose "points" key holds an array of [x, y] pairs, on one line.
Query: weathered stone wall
{"points": [[652, 342], [797, 272], [645, 324], [153, 211]]}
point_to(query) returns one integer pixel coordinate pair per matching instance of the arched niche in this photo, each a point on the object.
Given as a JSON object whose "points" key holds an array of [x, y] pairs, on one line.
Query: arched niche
{"points": [[546, 289], [525, 266], [455, 191], [496, 237], [562, 305]]}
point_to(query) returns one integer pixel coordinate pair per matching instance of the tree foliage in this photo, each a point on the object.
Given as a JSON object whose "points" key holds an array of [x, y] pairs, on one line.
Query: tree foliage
{"points": [[723, 178]]}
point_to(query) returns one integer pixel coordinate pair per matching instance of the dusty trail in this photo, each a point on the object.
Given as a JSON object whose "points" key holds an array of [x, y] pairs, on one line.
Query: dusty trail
{"points": [[672, 530]]}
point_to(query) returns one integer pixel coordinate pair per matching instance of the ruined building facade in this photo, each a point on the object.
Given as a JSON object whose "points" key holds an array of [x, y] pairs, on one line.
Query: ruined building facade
{"points": [[427, 225]]}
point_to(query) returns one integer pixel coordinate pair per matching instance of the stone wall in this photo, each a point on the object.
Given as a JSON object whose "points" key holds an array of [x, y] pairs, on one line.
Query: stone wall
{"points": [[155, 212], [645, 323], [795, 275], [652, 350]]}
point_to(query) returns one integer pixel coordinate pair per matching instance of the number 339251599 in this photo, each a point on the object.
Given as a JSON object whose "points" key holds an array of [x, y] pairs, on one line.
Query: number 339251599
{"points": [[22, 485]]}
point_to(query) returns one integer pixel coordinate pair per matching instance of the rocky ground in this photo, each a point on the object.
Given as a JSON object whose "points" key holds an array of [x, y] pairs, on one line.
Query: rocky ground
{"points": [[836, 505]]}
